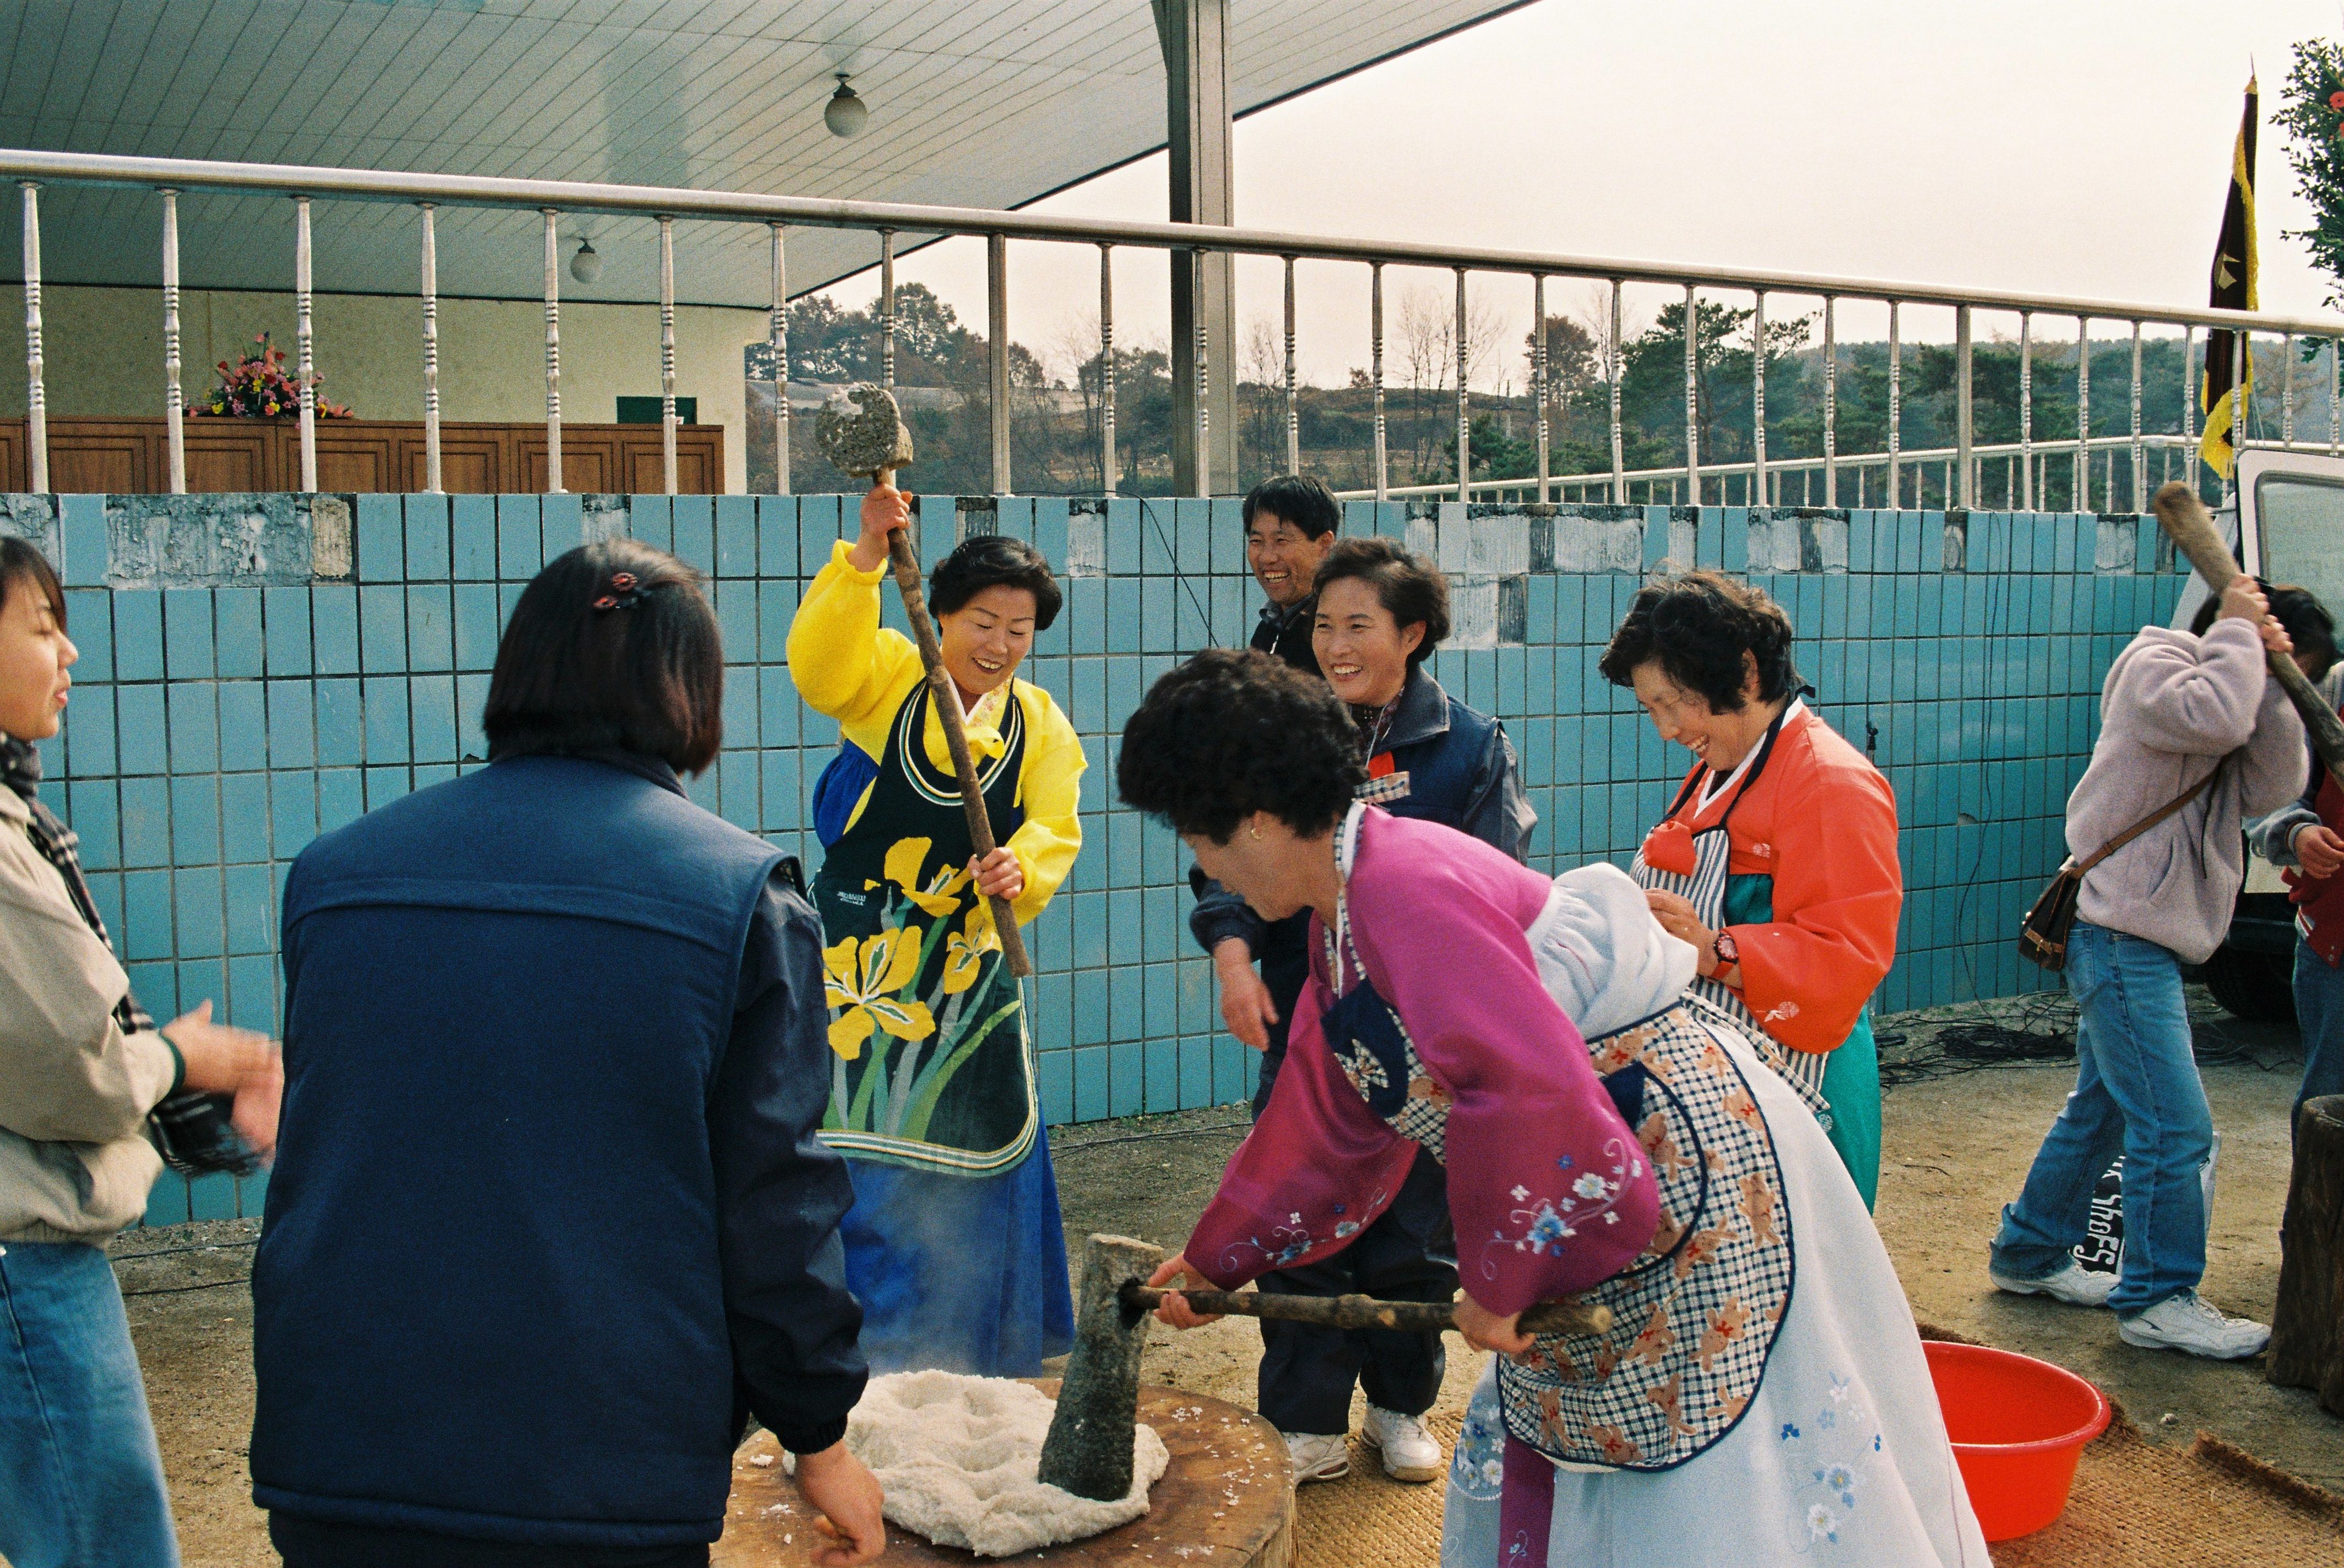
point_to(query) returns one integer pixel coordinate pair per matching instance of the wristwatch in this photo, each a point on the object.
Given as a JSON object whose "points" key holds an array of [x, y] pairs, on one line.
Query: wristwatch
{"points": [[1725, 950]]}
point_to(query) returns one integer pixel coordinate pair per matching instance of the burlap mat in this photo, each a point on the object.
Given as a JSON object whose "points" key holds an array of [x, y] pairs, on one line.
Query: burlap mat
{"points": [[1367, 1519], [2209, 1505], [2134, 1506]]}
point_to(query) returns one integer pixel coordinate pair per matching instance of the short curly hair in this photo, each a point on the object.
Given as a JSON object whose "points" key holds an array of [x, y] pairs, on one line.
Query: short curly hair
{"points": [[984, 561], [1699, 625], [1233, 731], [1411, 589]]}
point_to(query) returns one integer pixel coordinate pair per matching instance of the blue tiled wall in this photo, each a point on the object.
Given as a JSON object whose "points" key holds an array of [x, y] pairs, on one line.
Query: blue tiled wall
{"points": [[232, 703]]}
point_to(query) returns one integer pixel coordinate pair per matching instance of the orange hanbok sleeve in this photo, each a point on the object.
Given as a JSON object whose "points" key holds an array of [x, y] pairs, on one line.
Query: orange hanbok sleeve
{"points": [[1807, 973]]}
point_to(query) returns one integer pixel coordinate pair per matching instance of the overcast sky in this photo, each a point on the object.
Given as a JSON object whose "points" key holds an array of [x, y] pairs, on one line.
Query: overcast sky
{"points": [[2068, 146]]}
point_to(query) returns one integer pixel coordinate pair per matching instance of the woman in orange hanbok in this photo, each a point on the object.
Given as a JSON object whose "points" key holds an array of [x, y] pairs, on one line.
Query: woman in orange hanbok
{"points": [[1777, 860]]}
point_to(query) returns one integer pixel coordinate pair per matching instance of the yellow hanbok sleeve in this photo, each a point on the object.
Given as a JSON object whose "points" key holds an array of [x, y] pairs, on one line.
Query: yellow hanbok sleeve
{"points": [[843, 663], [1050, 785]]}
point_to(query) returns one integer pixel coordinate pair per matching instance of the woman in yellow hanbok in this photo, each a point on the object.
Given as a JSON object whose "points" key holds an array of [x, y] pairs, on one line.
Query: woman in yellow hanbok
{"points": [[953, 1244]]}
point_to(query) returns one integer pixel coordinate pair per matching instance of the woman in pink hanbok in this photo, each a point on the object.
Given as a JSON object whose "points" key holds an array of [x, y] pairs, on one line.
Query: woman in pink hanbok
{"points": [[1761, 1397]]}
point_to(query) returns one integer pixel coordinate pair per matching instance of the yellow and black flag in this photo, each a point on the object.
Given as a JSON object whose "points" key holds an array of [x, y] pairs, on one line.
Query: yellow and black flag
{"points": [[2233, 289]]}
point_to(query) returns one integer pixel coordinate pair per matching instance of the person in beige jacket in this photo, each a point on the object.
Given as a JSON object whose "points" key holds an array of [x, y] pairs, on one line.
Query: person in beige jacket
{"points": [[82, 1073]]}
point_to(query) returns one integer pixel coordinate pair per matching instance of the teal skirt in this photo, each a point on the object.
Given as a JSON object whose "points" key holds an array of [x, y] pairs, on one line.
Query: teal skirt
{"points": [[1852, 1072]]}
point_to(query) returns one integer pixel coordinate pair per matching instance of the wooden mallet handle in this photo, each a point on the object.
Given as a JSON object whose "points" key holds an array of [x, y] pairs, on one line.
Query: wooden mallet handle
{"points": [[2191, 528], [1572, 1317], [946, 699]]}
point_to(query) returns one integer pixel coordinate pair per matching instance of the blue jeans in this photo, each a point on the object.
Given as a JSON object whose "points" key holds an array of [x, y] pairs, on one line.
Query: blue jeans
{"points": [[81, 1484], [2319, 1013], [2137, 1094]]}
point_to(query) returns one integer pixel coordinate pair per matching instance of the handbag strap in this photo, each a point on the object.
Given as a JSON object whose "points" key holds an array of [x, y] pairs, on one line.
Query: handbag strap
{"points": [[2144, 823]]}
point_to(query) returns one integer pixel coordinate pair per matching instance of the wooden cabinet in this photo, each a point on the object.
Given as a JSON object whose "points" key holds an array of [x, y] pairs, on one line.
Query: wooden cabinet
{"points": [[132, 457]]}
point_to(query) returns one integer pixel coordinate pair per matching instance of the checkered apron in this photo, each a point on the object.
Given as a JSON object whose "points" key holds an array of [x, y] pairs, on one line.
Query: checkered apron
{"points": [[1695, 1316]]}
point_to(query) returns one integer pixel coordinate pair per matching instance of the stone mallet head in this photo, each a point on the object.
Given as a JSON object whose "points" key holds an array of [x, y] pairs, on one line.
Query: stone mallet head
{"points": [[1088, 1451], [862, 432]]}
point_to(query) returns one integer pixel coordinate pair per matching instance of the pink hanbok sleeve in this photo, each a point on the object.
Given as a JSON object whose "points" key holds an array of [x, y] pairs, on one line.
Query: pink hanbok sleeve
{"points": [[1549, 1189], [1316, 1169]]}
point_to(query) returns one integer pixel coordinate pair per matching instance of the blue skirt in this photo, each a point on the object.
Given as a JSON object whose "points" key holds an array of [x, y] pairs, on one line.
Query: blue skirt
{"points": [[958, 1273]]}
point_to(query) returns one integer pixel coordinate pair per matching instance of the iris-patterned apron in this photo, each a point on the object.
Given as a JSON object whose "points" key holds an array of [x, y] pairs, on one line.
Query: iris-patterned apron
{"points": [[930, 1068], [1694, 1317], [1705, 890]]}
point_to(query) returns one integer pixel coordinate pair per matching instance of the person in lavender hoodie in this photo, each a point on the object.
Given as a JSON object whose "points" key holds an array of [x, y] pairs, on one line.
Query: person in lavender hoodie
{"points": [[1601, 1132], [2180, 709]]}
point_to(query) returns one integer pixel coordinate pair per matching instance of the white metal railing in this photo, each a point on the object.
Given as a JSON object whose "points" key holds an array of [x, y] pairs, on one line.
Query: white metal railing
{"points": [[171, 178], [2164, 456]]}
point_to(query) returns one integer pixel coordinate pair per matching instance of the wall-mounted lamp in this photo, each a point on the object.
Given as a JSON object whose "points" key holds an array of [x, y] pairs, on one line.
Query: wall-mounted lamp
{"points": [[586, 265], [846, 111]]}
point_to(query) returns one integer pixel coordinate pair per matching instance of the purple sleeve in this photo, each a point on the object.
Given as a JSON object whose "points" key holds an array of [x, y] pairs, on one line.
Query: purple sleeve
{"points": [[1549, 1190], [1316, 1168]]}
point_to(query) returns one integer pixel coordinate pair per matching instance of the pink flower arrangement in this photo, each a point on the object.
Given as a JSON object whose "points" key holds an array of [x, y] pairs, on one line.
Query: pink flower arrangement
{"points": [[257, 388]]}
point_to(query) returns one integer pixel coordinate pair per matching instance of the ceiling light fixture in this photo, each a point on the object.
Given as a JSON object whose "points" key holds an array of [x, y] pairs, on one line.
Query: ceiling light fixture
{"points": [[846, 111], [586, 265]]}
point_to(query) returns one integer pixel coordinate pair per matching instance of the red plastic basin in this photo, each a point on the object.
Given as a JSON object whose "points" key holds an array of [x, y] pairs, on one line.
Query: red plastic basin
{"points": [[2018, 1426]]}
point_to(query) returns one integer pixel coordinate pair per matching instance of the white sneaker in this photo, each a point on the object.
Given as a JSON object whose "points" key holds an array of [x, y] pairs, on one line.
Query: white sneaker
{"points": [[1318, 1456], [1410, 1453], [2072, 1283], [2191, 1325]]}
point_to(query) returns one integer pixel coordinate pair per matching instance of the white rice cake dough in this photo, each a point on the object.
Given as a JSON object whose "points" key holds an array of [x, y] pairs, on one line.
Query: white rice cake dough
{"points": [[958, 1457]]}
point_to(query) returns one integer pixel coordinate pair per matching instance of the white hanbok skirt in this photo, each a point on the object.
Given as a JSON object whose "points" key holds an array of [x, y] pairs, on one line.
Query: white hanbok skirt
{"points": [[1841, 1458]]}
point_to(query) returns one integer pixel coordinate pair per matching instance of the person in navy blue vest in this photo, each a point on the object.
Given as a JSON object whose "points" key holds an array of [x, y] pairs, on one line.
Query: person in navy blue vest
{"points": [[1379, 612], [550, 1222]]}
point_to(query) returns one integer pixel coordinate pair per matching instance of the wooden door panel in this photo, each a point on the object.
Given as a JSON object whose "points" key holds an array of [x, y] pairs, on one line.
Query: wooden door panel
{"points": [[96, 462], [228, 456], [353, 461]]}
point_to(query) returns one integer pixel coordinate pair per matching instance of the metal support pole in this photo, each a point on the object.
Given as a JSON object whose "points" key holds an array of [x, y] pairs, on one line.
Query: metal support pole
{"points": [[304, 337], [1106, 369], [1203, 364], [1896, 408], [1376, 374], [1692, 396], [887, 308], [36, 396], [996, 354], [1539, 390], [2083, 498], [667, 350], [432, 476], [2335, 432], [2139, 466], [1612, 374], [1762, 493], [1464, 409], [2237, 405], [174, 403], [1293, 410], [1964, 415], [552, 354], [777, 330], [2190, 395], [1831, 401], [2026, 408], [2286, 392]]}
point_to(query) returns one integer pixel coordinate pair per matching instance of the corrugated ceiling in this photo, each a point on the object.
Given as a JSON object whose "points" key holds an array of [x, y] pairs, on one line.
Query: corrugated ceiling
{"points": [[988, 104]]}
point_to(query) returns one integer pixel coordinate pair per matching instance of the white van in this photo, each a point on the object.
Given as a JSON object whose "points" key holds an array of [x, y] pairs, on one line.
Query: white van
{"points": [[2286, 523]]}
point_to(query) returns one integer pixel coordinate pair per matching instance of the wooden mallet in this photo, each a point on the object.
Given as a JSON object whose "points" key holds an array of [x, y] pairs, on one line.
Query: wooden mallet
{"points": [[869, 440], [2191, 528]]}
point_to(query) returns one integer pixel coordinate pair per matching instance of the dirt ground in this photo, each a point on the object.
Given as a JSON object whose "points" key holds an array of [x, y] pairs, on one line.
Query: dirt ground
{"points": [[1957, 1145]]}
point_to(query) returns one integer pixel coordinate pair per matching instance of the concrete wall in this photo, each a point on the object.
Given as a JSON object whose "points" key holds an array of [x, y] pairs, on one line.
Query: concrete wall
{"points": [[257, 670], [103, 351]]}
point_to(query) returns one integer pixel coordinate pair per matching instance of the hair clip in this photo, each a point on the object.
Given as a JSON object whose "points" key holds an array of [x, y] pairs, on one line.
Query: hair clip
{"points": [[626, 591]]}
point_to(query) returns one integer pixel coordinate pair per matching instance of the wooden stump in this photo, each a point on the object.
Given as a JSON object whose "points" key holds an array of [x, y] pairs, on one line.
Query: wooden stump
{"points": [[1226, 1501], [2307, 1344]]}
